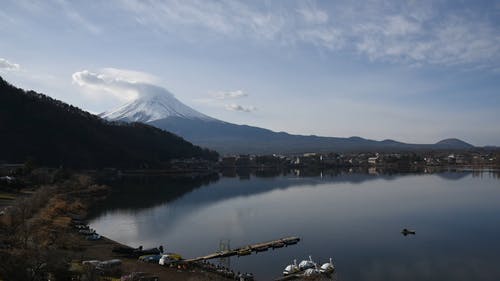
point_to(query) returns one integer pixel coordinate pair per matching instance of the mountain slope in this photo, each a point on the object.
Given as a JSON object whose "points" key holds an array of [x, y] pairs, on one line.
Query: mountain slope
{"points": [[54, 133], [231, 138], [453, 144], [161, 112], [156, 105]]}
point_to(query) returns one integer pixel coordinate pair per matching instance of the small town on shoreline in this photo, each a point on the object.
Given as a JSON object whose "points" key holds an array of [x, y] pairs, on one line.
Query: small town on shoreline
{"points": [[397, 160]]}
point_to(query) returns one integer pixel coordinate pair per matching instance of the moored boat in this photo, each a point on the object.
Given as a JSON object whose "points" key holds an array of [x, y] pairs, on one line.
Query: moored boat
{"points": [[406, 231], [328, 267], [291, 268], [310, 272], [307, 264]]}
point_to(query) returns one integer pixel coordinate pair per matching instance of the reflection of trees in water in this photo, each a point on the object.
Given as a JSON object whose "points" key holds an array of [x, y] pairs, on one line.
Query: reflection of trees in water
{"points": [[145, 191], [486, 174]]}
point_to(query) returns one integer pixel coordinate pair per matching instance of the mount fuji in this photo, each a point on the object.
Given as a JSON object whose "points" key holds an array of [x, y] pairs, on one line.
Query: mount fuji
{"points": [[161, 109], [152, 107]]}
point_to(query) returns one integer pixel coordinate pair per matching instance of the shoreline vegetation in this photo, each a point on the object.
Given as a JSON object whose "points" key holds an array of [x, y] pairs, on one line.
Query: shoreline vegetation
{"points": [[38, 240]]}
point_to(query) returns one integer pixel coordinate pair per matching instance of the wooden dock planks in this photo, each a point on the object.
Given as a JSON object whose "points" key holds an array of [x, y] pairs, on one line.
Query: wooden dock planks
{"points": [[286, 240]]}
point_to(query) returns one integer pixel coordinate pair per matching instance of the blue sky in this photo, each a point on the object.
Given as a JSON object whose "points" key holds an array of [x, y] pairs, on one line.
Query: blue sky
{"points": [[414, 71]]}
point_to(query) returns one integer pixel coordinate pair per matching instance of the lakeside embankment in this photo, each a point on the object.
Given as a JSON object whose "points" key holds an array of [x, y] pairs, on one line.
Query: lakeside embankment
{"points": [[38, 239]]}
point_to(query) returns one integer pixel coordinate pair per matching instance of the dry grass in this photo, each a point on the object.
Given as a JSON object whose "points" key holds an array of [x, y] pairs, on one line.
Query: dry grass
{"points": [[43, 221]]}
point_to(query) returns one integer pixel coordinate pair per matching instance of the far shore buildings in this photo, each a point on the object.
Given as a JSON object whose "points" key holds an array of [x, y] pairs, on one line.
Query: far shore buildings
{"points": [[428, 158], [374, 160]]}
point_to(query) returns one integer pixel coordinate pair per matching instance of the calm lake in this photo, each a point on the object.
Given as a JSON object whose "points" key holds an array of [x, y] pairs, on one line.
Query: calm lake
{"points": [[354, 218]]}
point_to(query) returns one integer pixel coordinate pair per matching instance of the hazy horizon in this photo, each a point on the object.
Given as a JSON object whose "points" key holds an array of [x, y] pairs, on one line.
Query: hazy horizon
{"points": [[415, 71]]}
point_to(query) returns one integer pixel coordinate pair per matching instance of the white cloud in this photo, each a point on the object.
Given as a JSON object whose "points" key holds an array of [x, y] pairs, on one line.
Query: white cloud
{"points": [[7, 65], [219, 100], [121, 84], [312, 14], [129, 75], [237, 107], [229, 94]]}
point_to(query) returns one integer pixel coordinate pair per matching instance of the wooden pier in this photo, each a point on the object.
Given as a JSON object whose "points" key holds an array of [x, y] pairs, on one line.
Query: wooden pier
{"points": [[247, 250]]}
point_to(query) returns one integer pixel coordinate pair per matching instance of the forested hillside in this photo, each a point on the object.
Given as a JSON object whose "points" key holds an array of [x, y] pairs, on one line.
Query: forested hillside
{"points": [[50, 132]]}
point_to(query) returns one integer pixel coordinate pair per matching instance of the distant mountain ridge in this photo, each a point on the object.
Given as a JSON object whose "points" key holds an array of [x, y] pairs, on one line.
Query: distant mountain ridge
{"points": [[53, 133], [164, 111]]}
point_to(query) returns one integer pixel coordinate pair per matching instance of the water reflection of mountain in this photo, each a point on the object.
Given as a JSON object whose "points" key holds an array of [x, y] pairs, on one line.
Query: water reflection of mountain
{"points": [[143, 192]]}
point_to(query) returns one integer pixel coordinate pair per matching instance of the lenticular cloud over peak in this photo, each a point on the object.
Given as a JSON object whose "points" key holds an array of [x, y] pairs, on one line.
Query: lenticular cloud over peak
{"points": [[146, 101]]}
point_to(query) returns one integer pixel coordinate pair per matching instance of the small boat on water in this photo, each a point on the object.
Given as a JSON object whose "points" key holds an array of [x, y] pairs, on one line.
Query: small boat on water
{"points": [[310, 272], [291, 268], [327, 267], [406, 231], [307, 264]]}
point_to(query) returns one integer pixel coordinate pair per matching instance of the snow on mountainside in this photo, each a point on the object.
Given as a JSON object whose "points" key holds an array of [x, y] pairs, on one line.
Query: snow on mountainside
{"points": [[151, 107]]}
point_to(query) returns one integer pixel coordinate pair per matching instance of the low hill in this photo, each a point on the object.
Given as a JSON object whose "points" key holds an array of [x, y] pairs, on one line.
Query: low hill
{"points": [[453, 144], [232, 138], [51, 132]]}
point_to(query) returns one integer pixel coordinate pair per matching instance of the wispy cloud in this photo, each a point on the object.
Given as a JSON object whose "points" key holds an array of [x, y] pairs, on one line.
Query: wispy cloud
{"points": [[220, 99], [404, 32], [327, 37], [222, 17], [311, 14], [67, 11], [7, 65], [222, 95], [392, 31], [237, 107], [77, 18]]}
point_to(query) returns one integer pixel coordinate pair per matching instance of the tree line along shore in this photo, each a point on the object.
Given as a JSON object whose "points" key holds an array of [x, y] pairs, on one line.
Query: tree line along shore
{"points": [[38, 240]]}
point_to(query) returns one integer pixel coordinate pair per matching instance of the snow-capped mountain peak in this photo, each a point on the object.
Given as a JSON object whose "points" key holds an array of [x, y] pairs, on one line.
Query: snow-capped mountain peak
{"points": [[153, 106]]}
